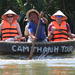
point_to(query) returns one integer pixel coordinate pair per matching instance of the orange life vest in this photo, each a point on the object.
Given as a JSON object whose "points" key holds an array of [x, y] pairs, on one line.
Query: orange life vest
{"points": [[61, 32], [9, 31]]}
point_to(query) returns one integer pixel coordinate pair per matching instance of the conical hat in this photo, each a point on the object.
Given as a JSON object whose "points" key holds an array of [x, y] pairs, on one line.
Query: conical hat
{"points": [[58, 13], [10, 12]]}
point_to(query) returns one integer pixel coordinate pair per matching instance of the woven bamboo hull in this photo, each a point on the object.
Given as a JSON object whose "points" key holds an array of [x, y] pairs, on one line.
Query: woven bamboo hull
{"points": [[39, 48]]}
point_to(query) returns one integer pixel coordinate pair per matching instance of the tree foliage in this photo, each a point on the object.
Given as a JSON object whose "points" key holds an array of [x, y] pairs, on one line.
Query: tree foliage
{"points": [[49, 7]]}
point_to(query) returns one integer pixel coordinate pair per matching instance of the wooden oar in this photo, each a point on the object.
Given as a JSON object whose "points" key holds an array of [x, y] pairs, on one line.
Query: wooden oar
{"points": [[34, 41]]}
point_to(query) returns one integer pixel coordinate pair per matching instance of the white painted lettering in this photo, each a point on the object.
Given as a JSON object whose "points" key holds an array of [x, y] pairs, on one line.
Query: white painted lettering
{"points": [[56, 49], [45, 49], [19, 48], [14, 48], [39, 49], [25, 49], [50, 49], [71, 49]]}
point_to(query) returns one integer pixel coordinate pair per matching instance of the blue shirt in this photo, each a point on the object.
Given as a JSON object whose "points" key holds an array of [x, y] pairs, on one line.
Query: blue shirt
{"points": [[41, 34]]}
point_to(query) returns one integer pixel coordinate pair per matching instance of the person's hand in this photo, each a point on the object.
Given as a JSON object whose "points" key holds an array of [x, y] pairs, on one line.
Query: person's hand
{"points": [[72, 35], [53, 29], [34, 38], [17, 37], [41, 14]]}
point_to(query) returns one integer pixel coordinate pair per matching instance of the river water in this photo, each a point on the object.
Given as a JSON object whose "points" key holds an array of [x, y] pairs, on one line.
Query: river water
{"points": [[50, 65], [38, 67]]}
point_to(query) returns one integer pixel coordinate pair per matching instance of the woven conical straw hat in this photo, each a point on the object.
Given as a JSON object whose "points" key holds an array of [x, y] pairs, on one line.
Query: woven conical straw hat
{"points": [[10, 12], [58, 13]]}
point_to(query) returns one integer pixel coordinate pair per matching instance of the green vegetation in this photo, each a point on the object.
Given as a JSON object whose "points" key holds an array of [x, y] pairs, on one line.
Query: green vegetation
{"points": [[47, 6]]}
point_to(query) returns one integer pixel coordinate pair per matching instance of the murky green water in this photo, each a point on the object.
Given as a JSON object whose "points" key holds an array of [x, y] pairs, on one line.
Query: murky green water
{"points": [[50, 65], [38, 67]]}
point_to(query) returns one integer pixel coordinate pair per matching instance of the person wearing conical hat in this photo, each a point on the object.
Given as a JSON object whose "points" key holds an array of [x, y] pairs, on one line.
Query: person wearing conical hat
{"points": [[36, 26], [58, 14], [9, 26], [59, 29]]}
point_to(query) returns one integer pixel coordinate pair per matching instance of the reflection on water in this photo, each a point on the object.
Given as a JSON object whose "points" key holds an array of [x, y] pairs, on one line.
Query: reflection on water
{"points": [[61, 56], [62, 71], [9, 70], [43, 65], [38, 67], [52, 56]]}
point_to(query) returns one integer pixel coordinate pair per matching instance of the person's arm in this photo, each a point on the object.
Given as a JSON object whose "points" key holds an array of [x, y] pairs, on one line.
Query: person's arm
{"points": [[50, 30], [44, 20], [26, 33], [31, 33], [19, 31], [0, 27], [32, 36], [71, 35], [0, 33], [68, 27]]}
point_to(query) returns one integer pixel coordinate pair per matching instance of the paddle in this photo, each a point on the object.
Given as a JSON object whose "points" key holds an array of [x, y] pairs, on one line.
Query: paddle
{"points": [[33, 43]]}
